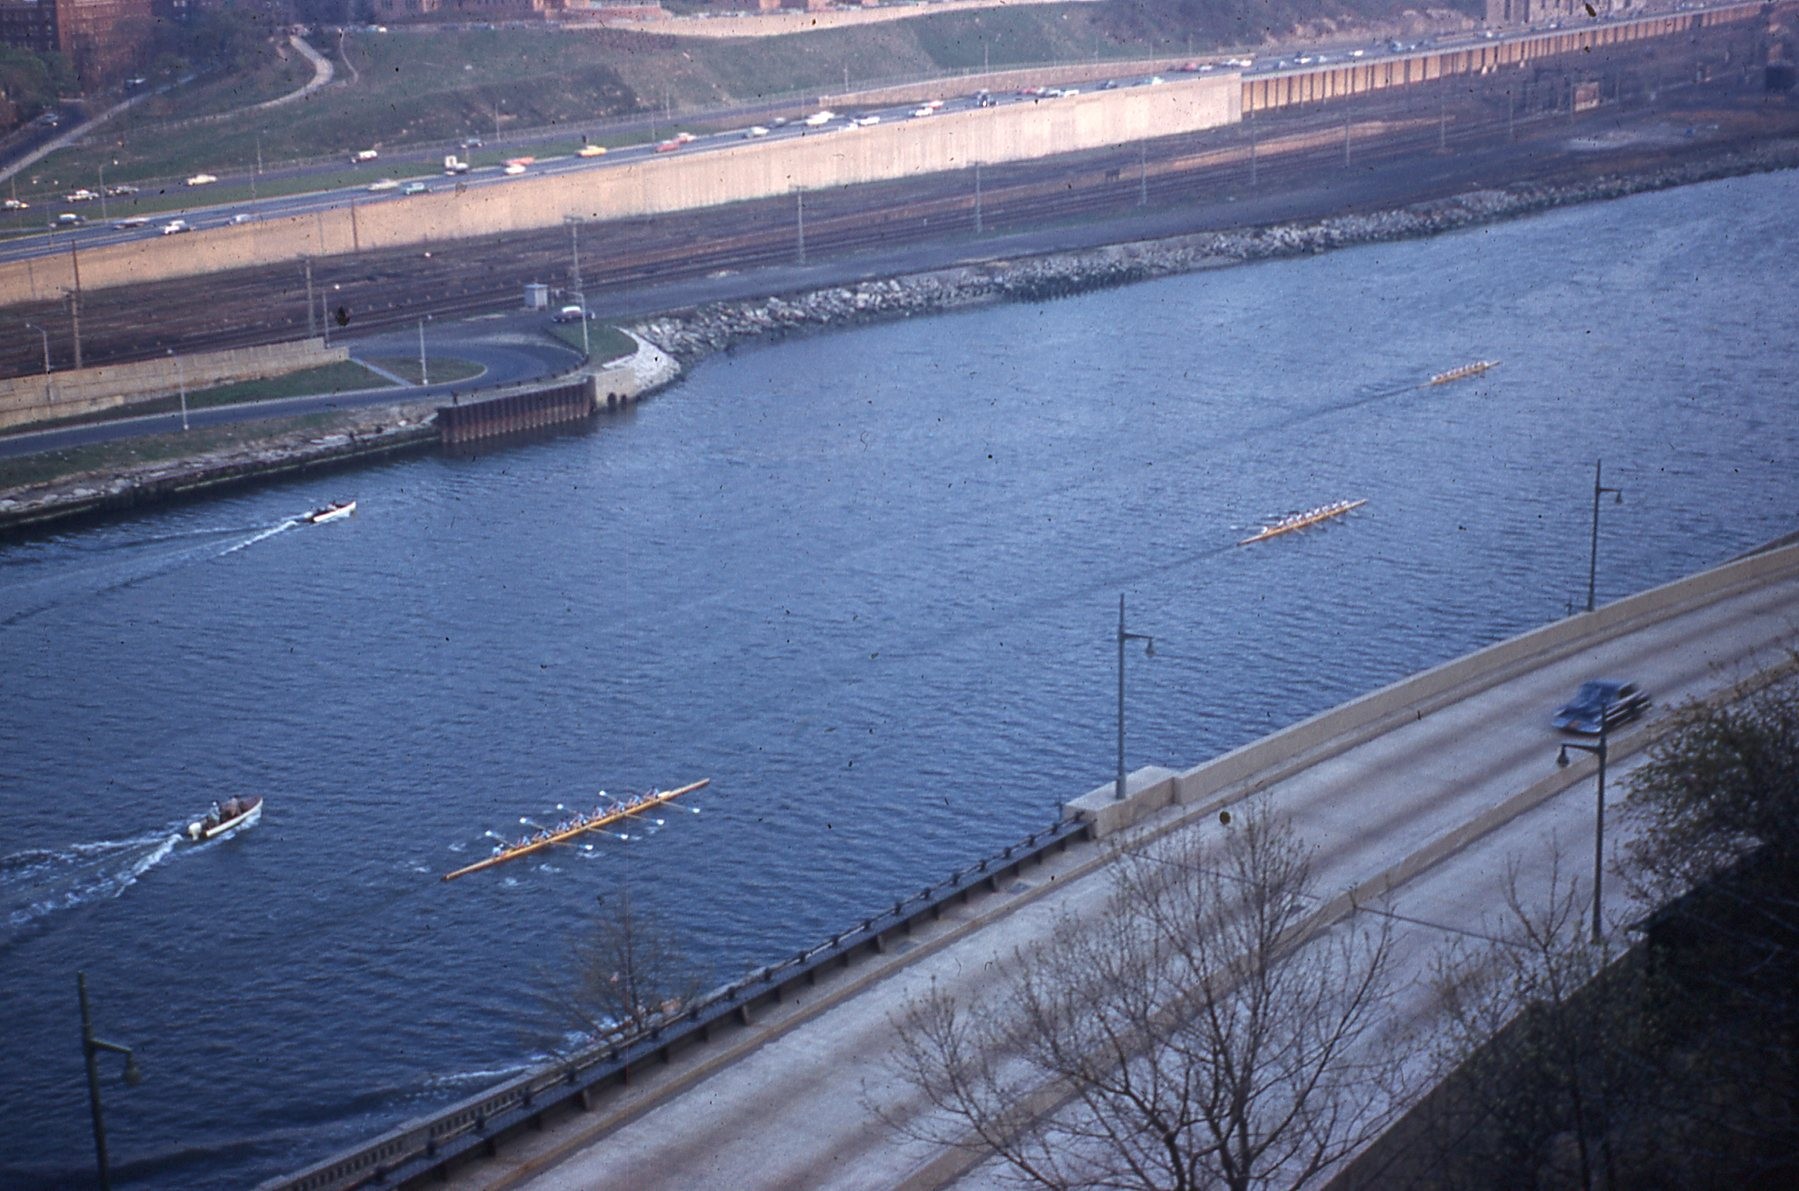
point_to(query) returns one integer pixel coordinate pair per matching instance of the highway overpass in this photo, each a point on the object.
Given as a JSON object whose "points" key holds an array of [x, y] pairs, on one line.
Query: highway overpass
{"points": [[1419, 799]]}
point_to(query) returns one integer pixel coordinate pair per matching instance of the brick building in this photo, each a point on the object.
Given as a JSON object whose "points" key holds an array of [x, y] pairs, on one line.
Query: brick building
{"points": [[100, 38]]}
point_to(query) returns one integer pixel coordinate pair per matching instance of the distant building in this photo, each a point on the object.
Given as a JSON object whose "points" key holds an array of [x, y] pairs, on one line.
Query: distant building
{"points": [[100, 38], [483, 10]]}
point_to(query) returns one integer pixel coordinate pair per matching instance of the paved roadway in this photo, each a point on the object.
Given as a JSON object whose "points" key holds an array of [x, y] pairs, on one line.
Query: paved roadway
{"points": [[511, 348], [786, 1104]]}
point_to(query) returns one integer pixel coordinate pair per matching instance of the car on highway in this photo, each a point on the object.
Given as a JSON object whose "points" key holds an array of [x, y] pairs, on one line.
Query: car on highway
{"points": [[84, 195], [513, 169], [202, 180], [667, 146], [241, 217], [569, 314], [919, 113], [362, 155], [384, 184], [591, 151], [175, 227], [13, 204], [69, 219], [1601, 701], [755, 130], [415, 188], [866, 121], [819, 119], [122, 190], [135, 221]]}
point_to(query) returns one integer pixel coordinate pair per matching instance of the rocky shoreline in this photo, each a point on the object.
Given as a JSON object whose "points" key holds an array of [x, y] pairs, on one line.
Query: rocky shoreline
{"points": [[692, 335]]}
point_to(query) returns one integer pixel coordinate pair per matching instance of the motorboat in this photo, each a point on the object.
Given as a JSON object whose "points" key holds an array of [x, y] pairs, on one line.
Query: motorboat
{"points": [[225, 818], [331, 512]]}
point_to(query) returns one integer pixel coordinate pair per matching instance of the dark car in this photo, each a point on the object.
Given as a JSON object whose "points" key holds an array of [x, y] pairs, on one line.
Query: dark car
{"points": [[1619, 702]]}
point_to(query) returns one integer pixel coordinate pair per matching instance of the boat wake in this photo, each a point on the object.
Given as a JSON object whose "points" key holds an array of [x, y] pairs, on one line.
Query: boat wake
{"points": [[120, 565], [40, 882]]}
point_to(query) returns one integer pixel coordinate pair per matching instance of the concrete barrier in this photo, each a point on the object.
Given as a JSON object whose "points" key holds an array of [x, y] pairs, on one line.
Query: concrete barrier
{"points": [[830, 158], [27, 400], [1271, 758]]}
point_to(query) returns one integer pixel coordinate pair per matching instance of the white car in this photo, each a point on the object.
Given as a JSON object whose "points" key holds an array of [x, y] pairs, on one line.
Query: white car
{"points": [[514, 169], [918, 113], [175, 227], [866, 121], [81, 196], [135, 221], [415, 188], [202, 180], [754, 131], [819, 119], [384, 184], [13, 204]]}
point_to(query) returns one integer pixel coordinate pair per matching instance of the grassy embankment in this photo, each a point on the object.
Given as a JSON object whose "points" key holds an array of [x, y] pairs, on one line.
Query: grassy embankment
{"points": [[439, 87], [104, 460]]}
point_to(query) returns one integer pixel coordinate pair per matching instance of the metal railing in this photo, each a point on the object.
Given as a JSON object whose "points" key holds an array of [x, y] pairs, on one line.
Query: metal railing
{"points": [[431, 1144]]}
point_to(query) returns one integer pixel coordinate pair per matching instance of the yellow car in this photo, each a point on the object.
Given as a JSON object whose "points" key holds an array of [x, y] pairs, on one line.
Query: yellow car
{"points": [[591, 151]]}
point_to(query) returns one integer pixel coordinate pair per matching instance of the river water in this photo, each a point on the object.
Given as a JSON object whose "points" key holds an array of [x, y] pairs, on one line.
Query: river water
{"points": [[866, 582]]}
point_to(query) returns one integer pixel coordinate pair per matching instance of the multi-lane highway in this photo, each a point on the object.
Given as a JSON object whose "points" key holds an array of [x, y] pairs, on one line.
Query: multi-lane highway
{"points": [[772, 122], [789, 1104]]}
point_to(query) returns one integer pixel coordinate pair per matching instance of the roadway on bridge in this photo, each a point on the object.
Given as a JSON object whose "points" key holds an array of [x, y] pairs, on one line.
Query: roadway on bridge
{"points": [[788, 1105]]}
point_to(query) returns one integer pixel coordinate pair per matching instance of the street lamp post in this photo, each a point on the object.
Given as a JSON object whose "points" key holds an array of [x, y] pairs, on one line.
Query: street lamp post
{"points": [[1149, 651], [1598, 750], [181, 382], [580, 291], [46, 337], [424, 374], [1593, 553], [90, 1048]]}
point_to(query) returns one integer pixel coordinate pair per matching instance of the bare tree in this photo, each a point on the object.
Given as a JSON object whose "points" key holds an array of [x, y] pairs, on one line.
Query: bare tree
{"points": [[621, 974], [1544, 1048], [1195, 1034], [1718, 801]]}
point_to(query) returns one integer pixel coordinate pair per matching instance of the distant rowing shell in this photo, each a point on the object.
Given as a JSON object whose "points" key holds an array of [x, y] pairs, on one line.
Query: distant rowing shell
{"points": [[1466, 370], [1302, 520]]}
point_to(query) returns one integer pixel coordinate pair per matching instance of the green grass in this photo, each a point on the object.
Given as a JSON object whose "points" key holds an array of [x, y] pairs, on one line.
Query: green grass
{"points": [[107, 459], [347, 376], [443, 370], [605, 342]]}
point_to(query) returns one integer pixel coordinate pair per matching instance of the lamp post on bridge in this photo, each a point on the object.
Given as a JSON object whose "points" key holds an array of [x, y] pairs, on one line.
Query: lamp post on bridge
{"points": [[90, 1047], [1149, 651], [1598, 750], [1593, 554]]}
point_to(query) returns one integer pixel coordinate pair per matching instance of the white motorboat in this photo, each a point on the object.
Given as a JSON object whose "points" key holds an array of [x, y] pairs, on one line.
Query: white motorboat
{"points": [[222, 820], [331, 512]]}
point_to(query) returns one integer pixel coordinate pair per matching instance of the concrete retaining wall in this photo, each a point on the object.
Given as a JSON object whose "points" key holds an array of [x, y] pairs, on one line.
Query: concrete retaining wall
{"points": [[1267, 760], [26, 400], [667, 182]]}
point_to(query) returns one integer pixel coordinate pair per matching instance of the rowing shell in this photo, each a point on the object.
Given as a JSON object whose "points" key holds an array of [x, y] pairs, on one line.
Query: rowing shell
{"points": [[603, 818], [1304, 519]]}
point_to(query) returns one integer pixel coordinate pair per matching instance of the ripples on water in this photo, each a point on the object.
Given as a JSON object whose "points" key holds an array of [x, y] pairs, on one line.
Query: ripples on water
{"points": [[865, 582]]}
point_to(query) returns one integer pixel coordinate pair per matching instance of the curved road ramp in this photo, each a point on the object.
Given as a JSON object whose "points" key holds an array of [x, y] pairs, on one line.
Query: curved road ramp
{"points": [[1421, 805]]}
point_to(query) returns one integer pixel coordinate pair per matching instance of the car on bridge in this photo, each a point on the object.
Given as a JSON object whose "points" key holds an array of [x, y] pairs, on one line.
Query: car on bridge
{"points": [[1601, 701]]}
